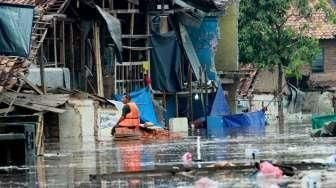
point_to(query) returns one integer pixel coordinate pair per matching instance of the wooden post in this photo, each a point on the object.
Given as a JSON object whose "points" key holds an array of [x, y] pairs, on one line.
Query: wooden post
{"points": [[55, 40], [190, 93], [42, 73], [62, 40], [83, 80], [100, 86], [206, 90], [176, 105], [72, 56]]}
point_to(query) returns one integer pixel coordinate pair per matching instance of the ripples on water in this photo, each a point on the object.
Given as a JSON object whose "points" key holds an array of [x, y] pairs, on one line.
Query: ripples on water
{"points": [[70, 165]]}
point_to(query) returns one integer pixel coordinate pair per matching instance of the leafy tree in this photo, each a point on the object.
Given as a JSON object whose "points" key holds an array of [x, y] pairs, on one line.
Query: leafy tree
{"points": [[266, 40]]}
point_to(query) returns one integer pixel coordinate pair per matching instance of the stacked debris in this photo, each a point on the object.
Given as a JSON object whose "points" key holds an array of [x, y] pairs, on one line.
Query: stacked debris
{"points": [[11, 68]]}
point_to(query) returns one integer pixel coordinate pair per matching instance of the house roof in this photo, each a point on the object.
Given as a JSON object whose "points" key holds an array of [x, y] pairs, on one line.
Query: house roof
{"points": [[322, 81], [258, 81], [317, 25], [19, 2]]}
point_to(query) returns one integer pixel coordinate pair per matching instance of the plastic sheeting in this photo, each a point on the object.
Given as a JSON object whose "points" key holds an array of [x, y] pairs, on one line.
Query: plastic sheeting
{"points": [[15, 29], [220, 105], [114, 28], [245, 123], [190, 51], [295, 99], [143, 100], [165, 62], [204, 40]]}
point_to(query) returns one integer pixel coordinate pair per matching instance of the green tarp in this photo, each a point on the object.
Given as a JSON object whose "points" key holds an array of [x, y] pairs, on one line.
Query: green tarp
{"points": [[15, 29], [320, 121]]}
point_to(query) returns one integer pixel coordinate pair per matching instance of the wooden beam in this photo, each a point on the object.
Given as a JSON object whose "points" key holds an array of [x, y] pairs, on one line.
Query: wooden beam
{"points": [[33, 86], [39, 136], [72, 56], [135, 36], [55, 40], [83, 80], [62, 47], [99, 73], [42, 73]]}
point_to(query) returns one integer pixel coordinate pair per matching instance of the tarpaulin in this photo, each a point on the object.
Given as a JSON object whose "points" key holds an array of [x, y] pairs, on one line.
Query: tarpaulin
{"points": [[190, 51], [295, 99], [245, 123], [15, 29], [114, 28], [143, 100], [205, 39], [220, 105], [165, 62]]}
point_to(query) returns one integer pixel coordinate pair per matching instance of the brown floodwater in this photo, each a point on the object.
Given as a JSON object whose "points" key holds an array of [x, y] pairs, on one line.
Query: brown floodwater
{"points": [[149, 163]]}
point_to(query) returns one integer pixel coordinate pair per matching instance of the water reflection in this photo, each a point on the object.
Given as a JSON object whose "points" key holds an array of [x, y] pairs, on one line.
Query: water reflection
{"points": [[144, 163]]}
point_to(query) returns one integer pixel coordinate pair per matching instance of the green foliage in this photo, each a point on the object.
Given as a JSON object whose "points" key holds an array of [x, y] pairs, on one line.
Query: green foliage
{"points": [[324, 5], [264, 38]]}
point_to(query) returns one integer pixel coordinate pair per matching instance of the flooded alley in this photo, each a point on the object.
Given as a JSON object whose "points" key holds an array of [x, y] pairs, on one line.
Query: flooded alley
{"points": [[148, 163]]}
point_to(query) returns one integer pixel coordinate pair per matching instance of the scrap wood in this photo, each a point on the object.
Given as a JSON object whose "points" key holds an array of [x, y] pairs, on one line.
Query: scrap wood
{"points": [[44, 104], [162, 170]]}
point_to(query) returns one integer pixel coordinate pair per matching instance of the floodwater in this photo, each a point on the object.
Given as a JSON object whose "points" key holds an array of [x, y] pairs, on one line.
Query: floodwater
{"points": [[148, 163]]}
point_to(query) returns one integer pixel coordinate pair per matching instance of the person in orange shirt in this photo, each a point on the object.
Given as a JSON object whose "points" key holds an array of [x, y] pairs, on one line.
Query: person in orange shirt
{"points": [[130, 117]]}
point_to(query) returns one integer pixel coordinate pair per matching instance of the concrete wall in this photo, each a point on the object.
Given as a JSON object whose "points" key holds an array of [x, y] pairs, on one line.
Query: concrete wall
{"points": [[78, 123], [226, 58], [257, 101], [227, 50]]}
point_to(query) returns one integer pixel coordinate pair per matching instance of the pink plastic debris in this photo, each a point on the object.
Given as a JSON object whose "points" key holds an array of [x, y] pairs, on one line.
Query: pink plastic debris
{"points": [[206, 183], [267, 169], [187, 159]]}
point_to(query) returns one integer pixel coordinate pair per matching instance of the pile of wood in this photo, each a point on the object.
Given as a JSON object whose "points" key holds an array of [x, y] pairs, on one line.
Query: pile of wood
{"points": [[11, 68]]}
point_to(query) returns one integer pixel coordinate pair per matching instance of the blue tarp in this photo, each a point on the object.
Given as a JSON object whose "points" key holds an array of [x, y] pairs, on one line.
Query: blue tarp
{"points": [[245, 123], [205, 39], [220, 123], [143, 100], [15, 29], [220, 106]]}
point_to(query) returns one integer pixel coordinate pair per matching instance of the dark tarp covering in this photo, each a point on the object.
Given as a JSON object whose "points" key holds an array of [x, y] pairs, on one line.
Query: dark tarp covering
{"points": [[143, 100], [114, 28], [15, 29], [220, 106], [165, 62]]}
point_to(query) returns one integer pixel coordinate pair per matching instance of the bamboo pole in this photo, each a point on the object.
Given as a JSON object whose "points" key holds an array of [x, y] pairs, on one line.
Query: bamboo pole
{"points": [[62, 38], [42, 72], [55, 40], [72, 56], [100, 86]]}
